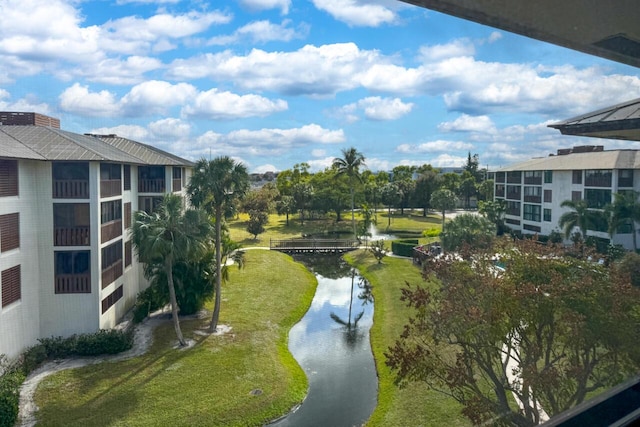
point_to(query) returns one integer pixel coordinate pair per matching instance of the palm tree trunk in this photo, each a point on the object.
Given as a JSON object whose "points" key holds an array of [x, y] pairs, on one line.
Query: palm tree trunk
{"points": [[174, 301], [216, 307]]}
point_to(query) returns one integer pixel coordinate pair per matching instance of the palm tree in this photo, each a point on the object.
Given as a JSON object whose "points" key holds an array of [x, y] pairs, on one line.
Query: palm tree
{"points": [[580, 216], [625, 210], [166, 236], [349, 164], [214, 186]]}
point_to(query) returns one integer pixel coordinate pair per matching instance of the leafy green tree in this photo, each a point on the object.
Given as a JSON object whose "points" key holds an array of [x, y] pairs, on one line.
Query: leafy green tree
{"points": [[402, 177], [579, 216], [168, 235], [215, 185], [349, 164], [331, 192], [391, 196], [451, 181], [302, 195], [473, 167], [428, 181], [444, 200], [468, 229], [286, 206], [377, 250], [625, 210], [256, 223], [550, 329], [467, 188], [486, 189]]}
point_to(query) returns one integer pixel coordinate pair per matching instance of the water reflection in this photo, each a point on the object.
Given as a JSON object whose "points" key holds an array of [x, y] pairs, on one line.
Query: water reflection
{"points": [[331, 343]]}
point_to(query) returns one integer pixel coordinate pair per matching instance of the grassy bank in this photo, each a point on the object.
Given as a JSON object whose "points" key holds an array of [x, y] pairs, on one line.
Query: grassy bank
{"points": [[414, 405], [209, 384]]}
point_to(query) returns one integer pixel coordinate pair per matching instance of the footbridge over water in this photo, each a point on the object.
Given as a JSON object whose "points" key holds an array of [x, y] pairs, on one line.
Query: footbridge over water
{"points": [[314, 245]]}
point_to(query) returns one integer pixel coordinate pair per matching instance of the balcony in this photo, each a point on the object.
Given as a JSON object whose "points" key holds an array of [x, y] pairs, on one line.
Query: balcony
{"points": [[71, 236], [533, 180], [71, 189], [514, 195], [177, 184], [111, 273], [533, 199], [110, 230], [73, 284], [110, 187], [151, 186]]}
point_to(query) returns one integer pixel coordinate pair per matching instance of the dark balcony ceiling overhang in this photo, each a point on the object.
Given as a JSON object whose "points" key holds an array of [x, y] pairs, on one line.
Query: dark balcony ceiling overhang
{"points": [[609, 29], [620, 121]]}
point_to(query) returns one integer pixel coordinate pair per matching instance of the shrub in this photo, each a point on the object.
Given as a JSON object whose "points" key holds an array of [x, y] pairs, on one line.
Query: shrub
{"points": [[58, 347], [148, 301], [10, 380], [104, 342], [431, 232], [404, 247], [33, 357]]}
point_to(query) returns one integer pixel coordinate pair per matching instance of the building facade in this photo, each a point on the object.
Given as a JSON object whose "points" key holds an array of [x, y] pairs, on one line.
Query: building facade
{"points": [[534, 190], [67, 265]]}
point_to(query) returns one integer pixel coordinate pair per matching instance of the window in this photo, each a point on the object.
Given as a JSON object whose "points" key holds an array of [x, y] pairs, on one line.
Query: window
{"points": [[111, 263], [598, 177], [8, 178], [71, 224], [547, 196], [531, 213], [533, 177], [548, 177], [127, 177], [177, 179], [576, 196], [151, 179], [531, 227], [576, 177], [625, 178], [514, 177], [513, 208], [70, 180], [514, 192], [532, 194], [597, 199], [127, 215], [546, 214], [499, 190], [110, 179], [500, 177], [113, 297], [110, 211], [11, 285], [149, 204], [512, 221], [127, 254], [73, 272], [9, 232]]}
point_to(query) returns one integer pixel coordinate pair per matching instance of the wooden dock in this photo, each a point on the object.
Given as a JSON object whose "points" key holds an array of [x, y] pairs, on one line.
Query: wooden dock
{"points": [[314, 245]]}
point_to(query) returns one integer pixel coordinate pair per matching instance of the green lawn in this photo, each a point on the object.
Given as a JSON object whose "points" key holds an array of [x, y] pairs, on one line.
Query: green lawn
{"points": [[414, 405], [211, 383]]}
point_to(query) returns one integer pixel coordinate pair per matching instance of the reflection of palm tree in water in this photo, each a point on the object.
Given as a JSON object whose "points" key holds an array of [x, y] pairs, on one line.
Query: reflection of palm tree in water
{"points": [[351, 327]]}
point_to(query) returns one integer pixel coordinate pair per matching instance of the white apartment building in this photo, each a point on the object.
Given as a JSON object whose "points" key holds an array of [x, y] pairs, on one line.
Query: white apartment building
{"points": [[535, 189], [66, 205]]}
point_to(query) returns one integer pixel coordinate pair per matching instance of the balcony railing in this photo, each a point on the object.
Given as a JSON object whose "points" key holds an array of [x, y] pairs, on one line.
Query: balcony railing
{"points": [[177, 184], [151, 186], [110, 187], [597, 181], [514, 195], [533, 199], [533, 180], [71, 189], [110, 230], [71, 236], [111, 273], [73, 284]]}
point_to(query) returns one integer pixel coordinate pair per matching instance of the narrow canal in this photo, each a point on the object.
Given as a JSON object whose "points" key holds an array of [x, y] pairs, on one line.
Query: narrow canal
{"points": [[331, 343]]}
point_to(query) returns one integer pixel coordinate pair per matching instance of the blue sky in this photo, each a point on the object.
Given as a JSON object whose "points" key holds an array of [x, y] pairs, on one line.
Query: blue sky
{"points": [[273, 83]]}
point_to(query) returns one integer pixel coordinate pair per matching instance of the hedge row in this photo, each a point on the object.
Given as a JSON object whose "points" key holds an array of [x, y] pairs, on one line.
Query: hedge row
{"points": [[404, 247]]}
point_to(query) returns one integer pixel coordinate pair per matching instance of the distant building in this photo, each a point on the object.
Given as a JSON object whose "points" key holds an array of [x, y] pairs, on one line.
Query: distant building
{"points": [[534, 190], [67, 265]]}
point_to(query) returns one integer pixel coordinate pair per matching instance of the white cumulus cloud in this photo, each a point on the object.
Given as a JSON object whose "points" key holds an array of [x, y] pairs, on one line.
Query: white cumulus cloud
{"points": [[226, 105]]}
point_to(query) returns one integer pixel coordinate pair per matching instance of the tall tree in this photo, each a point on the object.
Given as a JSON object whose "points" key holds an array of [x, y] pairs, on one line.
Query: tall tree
{"points": [[494, 211], [215, 185], [428, 181], [550, 329], [166, 236], [402, 176], [625, 210], [391, 196], [349, 164], [467, 188], [443, 200], [473, 167]]}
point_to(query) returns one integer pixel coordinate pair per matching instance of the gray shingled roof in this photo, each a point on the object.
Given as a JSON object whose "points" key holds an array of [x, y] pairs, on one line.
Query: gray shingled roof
{"points": [[45, 143], [611, 159]]}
